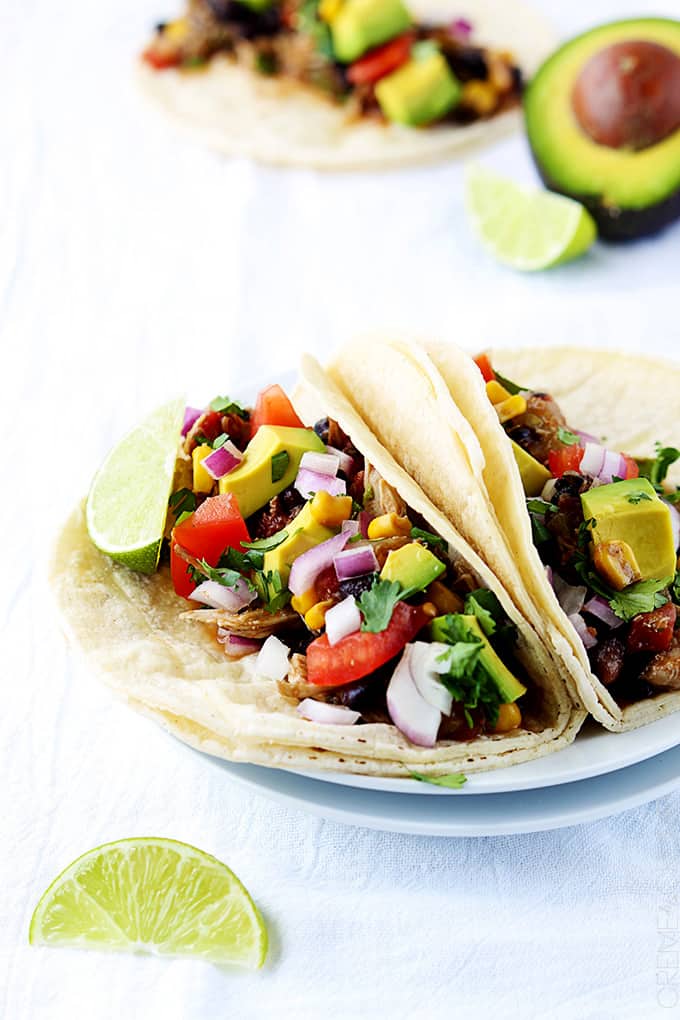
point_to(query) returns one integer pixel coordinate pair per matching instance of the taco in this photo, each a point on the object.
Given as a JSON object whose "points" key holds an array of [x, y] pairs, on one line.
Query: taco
{"points": [[590, 515], [344, 84], [312, 608]]}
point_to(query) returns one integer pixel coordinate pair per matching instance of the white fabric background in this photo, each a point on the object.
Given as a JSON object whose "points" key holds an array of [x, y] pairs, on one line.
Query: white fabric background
{"points": [[132, 265]]}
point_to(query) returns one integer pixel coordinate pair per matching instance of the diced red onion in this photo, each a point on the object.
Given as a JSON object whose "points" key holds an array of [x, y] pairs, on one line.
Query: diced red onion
{"points": [[570, 597], [322, 712], [461, 28], [613, 464], [355, 562], [599, 607], [675, 522], [306, 568], [272, 661], [191, 416], [321, 463], [223, 460], [350, 528], [581, 629], [408, 710], [426, 670], [592, 460], [585, 437], [309, 482], [218, 596], [341, 620], [364, 520], [346, 462], [236, 646]]}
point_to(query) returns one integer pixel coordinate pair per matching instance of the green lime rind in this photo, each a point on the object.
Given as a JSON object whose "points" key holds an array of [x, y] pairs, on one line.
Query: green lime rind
{"points": [[154, 896], [527, 229], [128, 500]]}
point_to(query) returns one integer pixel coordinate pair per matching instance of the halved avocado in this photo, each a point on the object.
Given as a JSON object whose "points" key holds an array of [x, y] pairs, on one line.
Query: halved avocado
{"points": [[630, 190]]}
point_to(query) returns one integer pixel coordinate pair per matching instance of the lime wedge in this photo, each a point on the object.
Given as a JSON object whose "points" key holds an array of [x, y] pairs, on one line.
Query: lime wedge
{"points": [[527, 229], [128, 501], [152, 896]]}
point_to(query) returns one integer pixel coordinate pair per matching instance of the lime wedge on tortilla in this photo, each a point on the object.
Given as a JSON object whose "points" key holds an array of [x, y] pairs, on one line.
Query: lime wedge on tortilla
{"points": [[152, 896], [128, 501], [528, 229]]}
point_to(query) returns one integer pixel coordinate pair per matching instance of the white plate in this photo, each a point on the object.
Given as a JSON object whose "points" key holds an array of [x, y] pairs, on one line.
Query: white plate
{"points": [[499, 814], [595, 752]]}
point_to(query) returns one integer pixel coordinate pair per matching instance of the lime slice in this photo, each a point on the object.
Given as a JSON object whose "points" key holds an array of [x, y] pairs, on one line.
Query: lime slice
{"points": [[128, 501], [152, 896], [527, 229]]}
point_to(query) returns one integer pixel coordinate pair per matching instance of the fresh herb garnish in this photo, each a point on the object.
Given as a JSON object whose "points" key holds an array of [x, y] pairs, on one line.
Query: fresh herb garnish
{"points": [[225, 576], [368, 494], [454, 781], [201, 440], [637, 497], [280, 462], [377, 605], [309, 23], [540, 506], [265, 544], [266, 63], [675, 589], [272, 591], [465, 678], [641, 597], [182, 501], [243, 562], [433, 541], [656, 469], [511, 387], [225, 405], [567, 437]]}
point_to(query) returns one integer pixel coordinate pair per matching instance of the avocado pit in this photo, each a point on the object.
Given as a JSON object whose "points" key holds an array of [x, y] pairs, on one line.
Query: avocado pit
{"points": [[627, 95]]}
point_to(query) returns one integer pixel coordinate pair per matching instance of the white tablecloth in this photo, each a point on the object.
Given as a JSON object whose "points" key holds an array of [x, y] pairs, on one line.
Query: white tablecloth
{"points": [[133, 264]]}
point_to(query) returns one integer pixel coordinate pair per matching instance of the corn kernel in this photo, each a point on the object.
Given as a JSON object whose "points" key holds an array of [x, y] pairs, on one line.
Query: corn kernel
{"points": [[430, 610], [511, 407], [496, 393], [316, 616], [203, 482], [509, 718], [303, 603], [176, 30], [329, 9], [389, 526], [479, 96], [330, 510], [615, 561]]}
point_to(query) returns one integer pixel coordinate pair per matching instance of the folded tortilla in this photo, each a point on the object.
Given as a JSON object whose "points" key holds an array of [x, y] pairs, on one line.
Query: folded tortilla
{"points": [[130, 629], [634, 401], [281, 122]]}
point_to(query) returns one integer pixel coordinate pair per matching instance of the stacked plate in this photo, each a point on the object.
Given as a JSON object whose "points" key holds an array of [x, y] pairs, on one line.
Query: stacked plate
{"points": [[600, 774]]}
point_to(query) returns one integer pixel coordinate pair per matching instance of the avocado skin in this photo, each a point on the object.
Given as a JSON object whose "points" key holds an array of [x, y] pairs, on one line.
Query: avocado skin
{"points": [[620, 224]]}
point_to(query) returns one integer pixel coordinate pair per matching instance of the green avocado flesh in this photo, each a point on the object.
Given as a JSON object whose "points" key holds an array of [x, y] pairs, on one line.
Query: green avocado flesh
{"points": [[362, 24], [420, 91], [630, 193], [507, 684], [413, 566]]}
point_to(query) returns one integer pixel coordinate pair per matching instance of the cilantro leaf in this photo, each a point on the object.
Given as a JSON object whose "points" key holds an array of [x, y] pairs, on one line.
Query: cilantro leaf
{"points": [[222, 575], [637, 497], [309, 23], [271, 589], [377, 605], [182, 501], [280, 462], [641, 597], [656, 469], [265, 544], [540, 506], [474, 606], [225, 405], [511, 387], [428, 538], [243, 562], [454, 781], [675, 589], [567, 437]]}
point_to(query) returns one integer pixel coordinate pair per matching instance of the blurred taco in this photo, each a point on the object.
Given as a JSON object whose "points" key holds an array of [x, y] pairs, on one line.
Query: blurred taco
{"points": [[344, 84], [312, 607]]}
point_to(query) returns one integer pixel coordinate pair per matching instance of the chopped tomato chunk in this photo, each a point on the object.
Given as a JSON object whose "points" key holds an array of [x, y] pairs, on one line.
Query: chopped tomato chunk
{"points": [[215, 526], [565, 458], [632, 470], [161, 59], [274, 408], [652, 632], [361, 653], [483, 363], [381, 61]]}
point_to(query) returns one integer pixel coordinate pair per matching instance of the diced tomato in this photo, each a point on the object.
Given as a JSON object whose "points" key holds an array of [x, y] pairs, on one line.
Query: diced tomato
{"points": [[652, 632], [632, 470], [159, 59], [361, 653], [483, 363], [274, 408], [564, 458], [215, 526], [381, 61], [326, 585]]}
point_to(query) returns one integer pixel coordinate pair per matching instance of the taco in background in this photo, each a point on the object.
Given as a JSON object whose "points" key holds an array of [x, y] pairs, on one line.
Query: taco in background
{"points": [[313, 609], [591, 515], [344, 84]]}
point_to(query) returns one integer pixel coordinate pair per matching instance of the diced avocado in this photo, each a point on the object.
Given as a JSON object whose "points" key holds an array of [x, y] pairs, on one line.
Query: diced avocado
{"points": [[420, 91], [413, 566], [631, 511], [252, 482], [304, 532], [360, 25], [533, 474], [507, 684]]}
